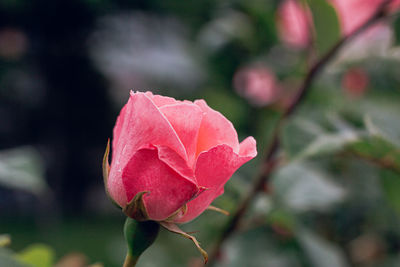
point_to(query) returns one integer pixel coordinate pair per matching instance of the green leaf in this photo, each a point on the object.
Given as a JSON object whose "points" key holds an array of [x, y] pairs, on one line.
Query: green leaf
{"points": [[283, 218], [321, 252], [326, 23], [385, 125], [397, 29], [37, 255], [296, 135], [391, 187], [377, 151], [303, 187], [328, 144], [305, 138], [22, 168], [258, 247]]}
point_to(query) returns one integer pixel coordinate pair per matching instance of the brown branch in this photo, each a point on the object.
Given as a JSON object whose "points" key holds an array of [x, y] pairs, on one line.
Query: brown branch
{"points": [[270, 163], [383, 163]]}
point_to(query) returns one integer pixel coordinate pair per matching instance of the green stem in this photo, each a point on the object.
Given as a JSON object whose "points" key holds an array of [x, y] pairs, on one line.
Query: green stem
{"points": [[130, 261], [139, 236]]}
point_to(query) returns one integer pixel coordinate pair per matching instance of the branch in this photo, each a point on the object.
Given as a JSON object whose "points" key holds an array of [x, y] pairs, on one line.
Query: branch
{"points": [[270, 161], [383, 163]]}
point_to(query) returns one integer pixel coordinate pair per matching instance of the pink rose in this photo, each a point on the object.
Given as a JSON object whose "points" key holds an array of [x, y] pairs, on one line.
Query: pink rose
{"points": [[180, 152], [294, 22]]}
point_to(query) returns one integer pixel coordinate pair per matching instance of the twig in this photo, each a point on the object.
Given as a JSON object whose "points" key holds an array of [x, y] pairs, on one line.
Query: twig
{"points": [[383, 163], [270, 163]]}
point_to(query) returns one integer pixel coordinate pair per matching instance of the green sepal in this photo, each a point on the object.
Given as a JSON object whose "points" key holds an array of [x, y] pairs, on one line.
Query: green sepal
{"points": [[180, 212], [139, 236], [106, 171], [136, 208], [213, 208], [106, 165], [175, 229]]}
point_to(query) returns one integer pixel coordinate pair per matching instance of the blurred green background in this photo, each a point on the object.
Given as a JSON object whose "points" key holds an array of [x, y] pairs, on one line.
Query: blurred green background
{"points": [[66, 68]]}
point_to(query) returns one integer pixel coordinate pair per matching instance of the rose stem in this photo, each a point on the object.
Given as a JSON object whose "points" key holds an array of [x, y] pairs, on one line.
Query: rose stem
{"points": [[130, 261]]}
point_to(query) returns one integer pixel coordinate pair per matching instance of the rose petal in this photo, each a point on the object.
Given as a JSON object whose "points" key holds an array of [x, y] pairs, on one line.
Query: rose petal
{"points": [[293, 23], [175, 162], [160, 100], [353, 13], [248, 147], [168, 191], [213, 170], [118, 126], [215, 130], [139, 125], [185, 118]]}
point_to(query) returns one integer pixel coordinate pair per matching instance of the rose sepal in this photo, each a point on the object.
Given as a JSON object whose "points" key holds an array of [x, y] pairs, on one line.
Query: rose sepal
{"points": [[222, 211], [172, 227], [136, 209], [106, 172]]}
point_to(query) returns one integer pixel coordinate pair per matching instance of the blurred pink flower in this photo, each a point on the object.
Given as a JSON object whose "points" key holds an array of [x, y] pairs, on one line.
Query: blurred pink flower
{"points": [[257, 84], [355, 82], [395, 5], [375, 41], [13, 43], [294, 22], [353, 13]]}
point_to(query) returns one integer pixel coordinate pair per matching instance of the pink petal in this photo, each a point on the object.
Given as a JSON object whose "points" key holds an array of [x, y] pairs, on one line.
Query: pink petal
{"points": [[118, 126], [160, 100], [353, 13], [185, 118], [248, 147], [213, 170], [140, 125], [395, 5], [168, 190], [215, 130], [293, 23], [175, 162]]}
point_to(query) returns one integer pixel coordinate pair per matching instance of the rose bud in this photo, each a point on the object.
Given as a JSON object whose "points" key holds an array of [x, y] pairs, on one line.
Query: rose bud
{"points": [[294, 24], [171, 159]]}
